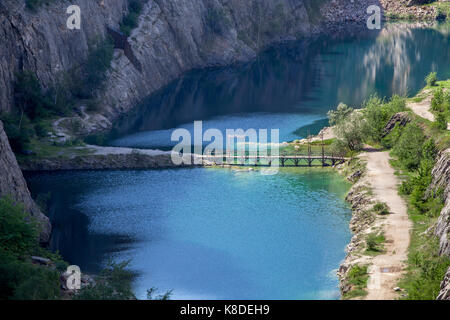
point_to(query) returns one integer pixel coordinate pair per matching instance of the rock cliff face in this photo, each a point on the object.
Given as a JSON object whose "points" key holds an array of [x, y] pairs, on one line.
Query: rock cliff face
{"points": [[13, 184], [172, 37], [41, 43], [441, 181]]}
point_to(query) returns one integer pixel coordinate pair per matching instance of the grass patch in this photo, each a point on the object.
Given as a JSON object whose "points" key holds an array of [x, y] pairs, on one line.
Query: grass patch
{"points": [[375, 243], [357, 277], [381, 208]]}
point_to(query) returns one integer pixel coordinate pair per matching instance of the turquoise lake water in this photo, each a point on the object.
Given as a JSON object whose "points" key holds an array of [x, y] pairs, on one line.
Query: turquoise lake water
{"points": [[206, 233], [221, 234]]}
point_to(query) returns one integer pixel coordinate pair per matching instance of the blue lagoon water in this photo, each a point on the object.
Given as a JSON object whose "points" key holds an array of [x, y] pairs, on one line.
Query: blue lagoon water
{"points": [[206, 233]]}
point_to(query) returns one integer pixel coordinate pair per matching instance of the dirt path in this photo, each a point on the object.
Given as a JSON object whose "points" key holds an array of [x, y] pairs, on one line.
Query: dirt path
{"points": [[388, 267], [422, 108]]}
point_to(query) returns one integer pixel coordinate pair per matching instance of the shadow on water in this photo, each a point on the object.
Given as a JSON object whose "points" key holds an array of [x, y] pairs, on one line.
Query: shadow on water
{"points": [[71, 235]]}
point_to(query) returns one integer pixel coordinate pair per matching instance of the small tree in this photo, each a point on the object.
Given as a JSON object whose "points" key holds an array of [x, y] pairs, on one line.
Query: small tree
{"points": [[409, 147], [341, 113], [441, 122], [352, 131], [431, 79], [437, 102]]}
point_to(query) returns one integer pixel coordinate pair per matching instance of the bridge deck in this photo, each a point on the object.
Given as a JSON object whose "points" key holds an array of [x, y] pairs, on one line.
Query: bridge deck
{"points": [[284, 160]]}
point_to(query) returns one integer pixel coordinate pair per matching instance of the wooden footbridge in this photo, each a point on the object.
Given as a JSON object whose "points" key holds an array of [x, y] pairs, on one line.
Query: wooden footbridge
{"points": [[271, 160]]}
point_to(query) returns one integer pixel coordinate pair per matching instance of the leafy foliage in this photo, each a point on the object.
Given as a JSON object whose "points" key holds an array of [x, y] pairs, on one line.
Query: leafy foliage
{"points": [[352, 131], [130, 21], [341, 113], [19, 279], [431, 79], [357, 277], [409, 146], [377, 113]]}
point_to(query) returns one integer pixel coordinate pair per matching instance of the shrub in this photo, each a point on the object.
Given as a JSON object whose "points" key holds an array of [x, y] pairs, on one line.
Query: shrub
{"points": [[352, 131], [93, 71], [429, 270], [374, 242], [431, 79], [130, 21], [19, 279], [409, 146], [41, 128], [377, 113], [29, 97], [429, 150], [441, 121], [392, 138], [18, 235], [341, 113], [381, 208], [437, 102], [18, 129]]}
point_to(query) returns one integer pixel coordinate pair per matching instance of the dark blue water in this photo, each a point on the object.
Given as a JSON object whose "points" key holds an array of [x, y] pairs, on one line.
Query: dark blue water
{"points": [[216, 233]]}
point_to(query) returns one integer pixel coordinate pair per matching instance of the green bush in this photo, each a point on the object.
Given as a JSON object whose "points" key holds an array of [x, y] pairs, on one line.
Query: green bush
{"points": [[437, 102], [428, 270], [381, 208], [19, 130], [431, 79], [19, 278], [377, 114], [352, 131], [357, 277], [93, 71], [341, 113], [18, 235], [374, 242], [29, 97], [130, 21], [441, 121], [409, 146], [392, 138]]}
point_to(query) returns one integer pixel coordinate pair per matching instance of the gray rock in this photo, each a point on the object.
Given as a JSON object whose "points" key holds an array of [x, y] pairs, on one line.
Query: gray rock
{"points": [[40, 260], [441, 183], [401, 118], [12, 183], [444, 293]]}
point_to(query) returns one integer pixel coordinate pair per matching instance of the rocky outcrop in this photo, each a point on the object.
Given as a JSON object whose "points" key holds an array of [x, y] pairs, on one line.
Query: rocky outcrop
{"points": [[444, 293], [104, 158], [172, 37], [361, 222], [40, 41], [441, 185], [401, 118], [12, 183], [409, 9]]}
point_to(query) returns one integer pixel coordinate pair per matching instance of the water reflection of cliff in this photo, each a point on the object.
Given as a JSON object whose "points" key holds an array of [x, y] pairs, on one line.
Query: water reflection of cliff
{"points": [[309, 76]]}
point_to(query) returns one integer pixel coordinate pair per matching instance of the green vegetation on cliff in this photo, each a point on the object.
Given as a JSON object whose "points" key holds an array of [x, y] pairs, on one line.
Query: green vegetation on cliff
{"points": [[19, 277]]}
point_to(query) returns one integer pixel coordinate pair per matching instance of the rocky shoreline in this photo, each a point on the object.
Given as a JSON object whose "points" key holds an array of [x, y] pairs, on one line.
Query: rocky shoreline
{"points": [[104, 158], [361, 222]]}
